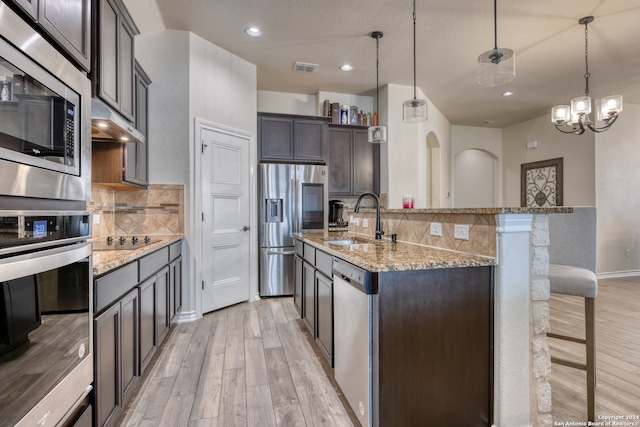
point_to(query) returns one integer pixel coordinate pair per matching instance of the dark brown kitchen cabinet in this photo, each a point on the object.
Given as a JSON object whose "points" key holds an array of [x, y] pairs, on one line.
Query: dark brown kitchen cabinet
{"points": [[125, 165], [309, 292], [163, 316], [298, 296], [129, 312], [353, 163], [107, 369], [175, 280], [324, 326], [292, 138], [147, 322], [113, 70], [67, 23], [136, 155]]}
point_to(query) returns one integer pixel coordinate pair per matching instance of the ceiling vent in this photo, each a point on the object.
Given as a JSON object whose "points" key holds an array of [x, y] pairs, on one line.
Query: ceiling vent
{"points": [[305, 67]]}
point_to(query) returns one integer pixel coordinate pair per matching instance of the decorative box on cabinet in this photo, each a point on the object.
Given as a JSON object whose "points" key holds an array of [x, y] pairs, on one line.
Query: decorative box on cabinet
{"points": [[288, 138], [353, 162]]}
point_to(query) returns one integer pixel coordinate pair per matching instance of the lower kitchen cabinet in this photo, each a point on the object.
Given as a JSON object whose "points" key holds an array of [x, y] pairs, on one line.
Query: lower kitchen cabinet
{"points": [[297, 290], [324, 327], [309, 292], [129, 327]]}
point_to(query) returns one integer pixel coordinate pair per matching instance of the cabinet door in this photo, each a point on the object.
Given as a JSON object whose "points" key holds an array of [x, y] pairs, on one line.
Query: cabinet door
{"points": [[107, 360], [147, 321], [297, 290], [136, 165], [69, 23], [175, 287], [366, 170], [309, 283], [340, 160], [309, 140], [29, 6], [163, 319], [109, 61], [324, 327], [130, 356], [126, 67], [275, 136]]}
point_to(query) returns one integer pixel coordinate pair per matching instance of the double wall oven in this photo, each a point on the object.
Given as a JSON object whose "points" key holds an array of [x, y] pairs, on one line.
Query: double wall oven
{"points": [[46, 360]]}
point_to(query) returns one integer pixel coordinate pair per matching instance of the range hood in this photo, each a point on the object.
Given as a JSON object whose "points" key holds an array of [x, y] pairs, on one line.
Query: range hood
{"points": [[109, 126]]}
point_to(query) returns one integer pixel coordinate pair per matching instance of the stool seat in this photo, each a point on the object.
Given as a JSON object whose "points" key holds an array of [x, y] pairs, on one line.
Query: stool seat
{"points": [[568, 280]]}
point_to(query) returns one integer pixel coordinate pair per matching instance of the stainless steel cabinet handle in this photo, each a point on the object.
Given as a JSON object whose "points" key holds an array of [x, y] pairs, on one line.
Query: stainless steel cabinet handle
{"points": [[246, 228]]}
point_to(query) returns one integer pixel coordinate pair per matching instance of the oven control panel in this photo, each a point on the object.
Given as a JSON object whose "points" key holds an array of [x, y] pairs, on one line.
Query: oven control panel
{"points": [[30, 227]]}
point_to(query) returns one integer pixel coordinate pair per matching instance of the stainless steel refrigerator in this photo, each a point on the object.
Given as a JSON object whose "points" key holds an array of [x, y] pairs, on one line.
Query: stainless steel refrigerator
{"points": [[291, 199]]}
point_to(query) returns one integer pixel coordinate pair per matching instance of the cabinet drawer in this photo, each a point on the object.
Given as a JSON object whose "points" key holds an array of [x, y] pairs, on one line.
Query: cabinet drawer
{"points": [[309, 254], [153, 262], [112, 286], [175, 250], [324, 263], [299, 248]]}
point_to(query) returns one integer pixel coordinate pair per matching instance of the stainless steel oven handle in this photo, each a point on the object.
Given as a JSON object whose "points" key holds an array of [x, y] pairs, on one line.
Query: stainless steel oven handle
{"points": [[38, 262]]}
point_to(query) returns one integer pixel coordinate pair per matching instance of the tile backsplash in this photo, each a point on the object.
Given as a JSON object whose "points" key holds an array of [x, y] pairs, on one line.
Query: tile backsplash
{"points": [[158, 209]]}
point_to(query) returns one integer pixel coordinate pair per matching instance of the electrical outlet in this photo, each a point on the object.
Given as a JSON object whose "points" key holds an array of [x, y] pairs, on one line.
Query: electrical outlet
{"points": [[96, 218], [365, 223], [436, 229], [356, 221], [627, 253], [461, 231]]}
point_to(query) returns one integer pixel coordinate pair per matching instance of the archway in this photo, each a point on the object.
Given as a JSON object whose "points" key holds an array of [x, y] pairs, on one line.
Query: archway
{"points": [[475, 179], [433, 174]]}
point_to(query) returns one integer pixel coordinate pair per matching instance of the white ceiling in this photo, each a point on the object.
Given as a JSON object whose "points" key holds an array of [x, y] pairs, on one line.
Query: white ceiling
{"points": [[545, 35]]}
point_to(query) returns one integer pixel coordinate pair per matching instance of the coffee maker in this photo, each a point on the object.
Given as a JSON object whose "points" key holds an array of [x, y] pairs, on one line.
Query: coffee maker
{"points": [[336, 208]]}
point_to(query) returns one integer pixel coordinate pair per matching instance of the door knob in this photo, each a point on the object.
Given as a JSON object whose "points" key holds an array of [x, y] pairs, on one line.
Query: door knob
{"points": [[245, 228]]}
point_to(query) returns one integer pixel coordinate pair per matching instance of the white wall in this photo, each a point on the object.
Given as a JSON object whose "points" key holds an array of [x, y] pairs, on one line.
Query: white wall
{"points": [[474, 190], [578, 153], [618, 194], [406, 154], [202, 81], [287, 103]]}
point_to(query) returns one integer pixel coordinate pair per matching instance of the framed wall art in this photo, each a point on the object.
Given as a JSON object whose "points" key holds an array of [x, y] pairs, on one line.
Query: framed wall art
{"points": [[541, 184]]}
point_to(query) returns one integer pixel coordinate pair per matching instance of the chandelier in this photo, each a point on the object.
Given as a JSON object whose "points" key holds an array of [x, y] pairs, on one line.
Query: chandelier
{"points": [[575, 118]]}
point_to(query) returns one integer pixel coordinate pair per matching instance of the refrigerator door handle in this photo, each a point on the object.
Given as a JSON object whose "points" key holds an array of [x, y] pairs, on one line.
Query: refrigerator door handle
{"points": [[281, 252]]}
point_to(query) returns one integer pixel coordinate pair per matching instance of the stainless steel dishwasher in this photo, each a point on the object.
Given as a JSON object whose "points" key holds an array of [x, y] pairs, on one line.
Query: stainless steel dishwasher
{"points": [[354, 326]]}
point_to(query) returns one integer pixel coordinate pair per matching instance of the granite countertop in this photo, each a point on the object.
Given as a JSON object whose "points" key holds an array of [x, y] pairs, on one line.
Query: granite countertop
{"points": [[105, 261], [479, 211], [384, 255]]}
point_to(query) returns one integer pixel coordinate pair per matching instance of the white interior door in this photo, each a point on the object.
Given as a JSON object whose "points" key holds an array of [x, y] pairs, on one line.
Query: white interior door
{"points": [[225, 215]]}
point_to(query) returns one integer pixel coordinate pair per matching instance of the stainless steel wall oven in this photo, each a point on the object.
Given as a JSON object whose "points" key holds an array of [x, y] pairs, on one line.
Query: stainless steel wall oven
{"points": [[46, 363]]}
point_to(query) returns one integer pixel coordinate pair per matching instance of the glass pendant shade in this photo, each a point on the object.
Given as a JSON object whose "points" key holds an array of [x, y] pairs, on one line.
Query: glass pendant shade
{"points": [[607, 107], [377, 134], [581, 105], [496, 67], [560, 114], [414, 111]]}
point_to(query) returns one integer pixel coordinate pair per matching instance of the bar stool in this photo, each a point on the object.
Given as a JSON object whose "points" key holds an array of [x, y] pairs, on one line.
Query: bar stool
{"points": [[572, 258]]}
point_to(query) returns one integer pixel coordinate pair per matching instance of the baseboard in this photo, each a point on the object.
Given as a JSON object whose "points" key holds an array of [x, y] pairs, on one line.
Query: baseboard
{"points": [[616, 274], [186, 316]]}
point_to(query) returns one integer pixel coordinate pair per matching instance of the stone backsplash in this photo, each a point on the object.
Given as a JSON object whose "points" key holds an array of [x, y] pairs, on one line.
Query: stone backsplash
{"points": [[415, 228], [156, 210]]}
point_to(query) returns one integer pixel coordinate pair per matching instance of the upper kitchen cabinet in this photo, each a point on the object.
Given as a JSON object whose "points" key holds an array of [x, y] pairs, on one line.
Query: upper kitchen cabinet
{"points": [[354, 163], [285, 138], [120, 165], [113, 68], [67, 23]]}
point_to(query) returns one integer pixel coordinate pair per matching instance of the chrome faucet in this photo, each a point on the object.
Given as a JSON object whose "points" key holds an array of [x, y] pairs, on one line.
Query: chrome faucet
{"points": [[379, 231]]}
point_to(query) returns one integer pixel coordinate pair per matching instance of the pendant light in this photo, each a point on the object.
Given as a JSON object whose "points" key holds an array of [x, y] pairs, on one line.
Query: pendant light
{"points": [[377, 134], [496, 66], [576, 116], [414, 110]]}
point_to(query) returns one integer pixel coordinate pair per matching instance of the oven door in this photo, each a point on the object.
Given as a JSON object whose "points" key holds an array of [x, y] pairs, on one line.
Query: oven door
{"points": [[45, 334]]}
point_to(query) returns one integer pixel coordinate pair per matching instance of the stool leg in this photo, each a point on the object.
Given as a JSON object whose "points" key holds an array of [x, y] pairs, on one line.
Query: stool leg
{"points": [[589, 312]]}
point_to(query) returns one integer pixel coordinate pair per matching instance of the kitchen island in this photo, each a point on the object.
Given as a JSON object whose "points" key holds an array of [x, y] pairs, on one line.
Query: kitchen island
{"points": [[419, 330]]}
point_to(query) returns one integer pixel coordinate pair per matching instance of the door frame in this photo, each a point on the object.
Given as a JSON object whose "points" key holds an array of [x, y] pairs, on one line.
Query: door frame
{"points": [[196, 216]]}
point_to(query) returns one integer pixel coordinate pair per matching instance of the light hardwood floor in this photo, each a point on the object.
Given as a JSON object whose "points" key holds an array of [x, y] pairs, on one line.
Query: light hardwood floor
{"points": [[252, 365], [617, 352], [247, 365]]}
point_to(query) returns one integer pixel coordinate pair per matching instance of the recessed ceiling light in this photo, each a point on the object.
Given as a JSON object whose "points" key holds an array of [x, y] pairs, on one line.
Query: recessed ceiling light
{"points": [[346, 67], [507, 93], [488, 122], [253, 31]]}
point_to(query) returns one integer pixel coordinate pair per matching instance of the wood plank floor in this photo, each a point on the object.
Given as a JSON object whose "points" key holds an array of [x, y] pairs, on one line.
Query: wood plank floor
{"points": [[247, 365], [253, 365], [617, 352]]}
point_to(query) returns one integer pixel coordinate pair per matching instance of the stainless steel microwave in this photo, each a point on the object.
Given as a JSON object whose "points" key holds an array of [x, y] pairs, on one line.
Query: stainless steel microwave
{"points": [[44, 117]]}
